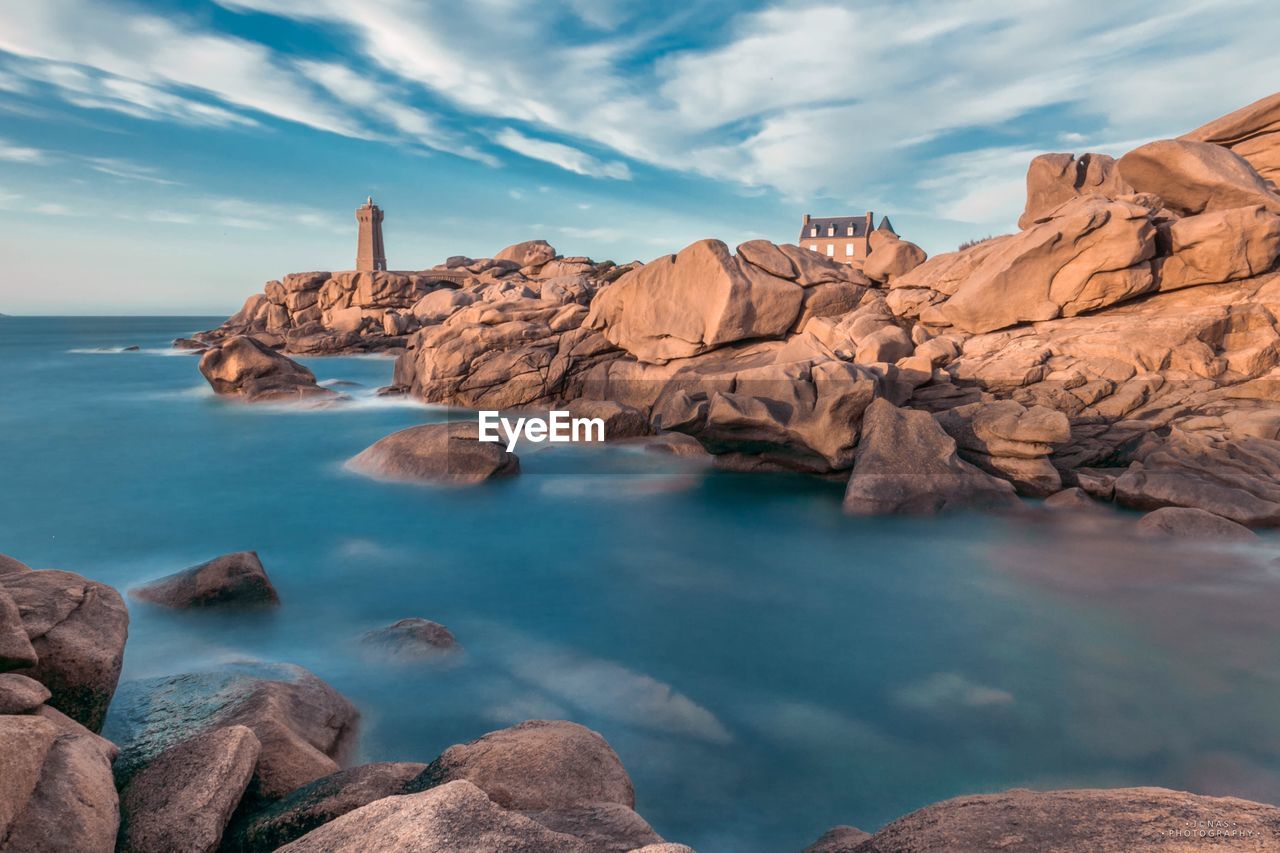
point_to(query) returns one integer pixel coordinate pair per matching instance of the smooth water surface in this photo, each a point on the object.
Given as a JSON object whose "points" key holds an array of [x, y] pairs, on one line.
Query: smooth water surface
{"points": [[764, 666]]}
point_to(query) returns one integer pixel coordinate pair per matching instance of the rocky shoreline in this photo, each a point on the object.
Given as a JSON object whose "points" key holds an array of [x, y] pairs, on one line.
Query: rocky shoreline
{"points": [[255, 757], [1124, 342]]}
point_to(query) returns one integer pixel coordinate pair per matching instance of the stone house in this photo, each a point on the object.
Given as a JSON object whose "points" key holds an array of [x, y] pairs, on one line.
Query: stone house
{"points": [[842, 238]]}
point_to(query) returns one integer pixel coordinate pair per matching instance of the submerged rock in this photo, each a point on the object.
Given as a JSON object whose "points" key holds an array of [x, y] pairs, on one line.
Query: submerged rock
{"points": [[412, 638], [906, 463], [1192, 523], [605, 827], [538, 765], [454, 818], [317, 803], [305, 727], [449, 453], [77, 628], [230, 580], [183, 798], [243, 367], [1119, 820]]}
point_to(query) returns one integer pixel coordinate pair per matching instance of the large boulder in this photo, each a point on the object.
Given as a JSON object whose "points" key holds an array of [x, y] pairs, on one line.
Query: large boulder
{"points": [[236, 580], [454, 818], [891, 257], [1120, 820], [530, 253], [183, 799], [787, 406], [447, 453], [1219, 246], [1053, 179], [77, 628], [243, 367], [1253, 132], [1087, 254], [538, 765], [317, 803], [906, 463], [56, 790], [305, 727], [699, 299], [1194, 177]]}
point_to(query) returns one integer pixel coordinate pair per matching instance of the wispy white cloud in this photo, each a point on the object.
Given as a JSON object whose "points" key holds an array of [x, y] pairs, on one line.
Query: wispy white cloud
{"points": [[565, 156], [21, 153]]}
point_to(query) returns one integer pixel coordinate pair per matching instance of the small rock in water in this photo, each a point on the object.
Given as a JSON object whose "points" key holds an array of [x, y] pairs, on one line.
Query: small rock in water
{"points": [[230, 580], [413, 638], [246, 368], [391, 391], [133, 348], [436, 453]]}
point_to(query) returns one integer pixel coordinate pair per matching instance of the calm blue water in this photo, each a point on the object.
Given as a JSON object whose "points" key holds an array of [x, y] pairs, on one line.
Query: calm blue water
{"points": [[764, 666]]}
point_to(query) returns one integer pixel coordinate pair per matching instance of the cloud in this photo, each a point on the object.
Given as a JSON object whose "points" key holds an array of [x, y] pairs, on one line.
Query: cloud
{"points": [[565, 156], [837, 101], [145, 66], [21, 153], [127, 171]]}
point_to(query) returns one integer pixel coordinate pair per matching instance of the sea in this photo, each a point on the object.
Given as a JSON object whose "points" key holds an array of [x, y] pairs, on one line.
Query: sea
{"points": [[765, 666]]}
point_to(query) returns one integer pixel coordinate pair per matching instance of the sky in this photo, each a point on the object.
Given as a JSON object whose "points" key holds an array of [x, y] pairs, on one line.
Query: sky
{"points": [[170, 156]]}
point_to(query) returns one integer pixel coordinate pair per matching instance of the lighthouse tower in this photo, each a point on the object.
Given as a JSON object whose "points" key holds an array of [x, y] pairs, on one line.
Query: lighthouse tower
{"points": [[370, 254]]}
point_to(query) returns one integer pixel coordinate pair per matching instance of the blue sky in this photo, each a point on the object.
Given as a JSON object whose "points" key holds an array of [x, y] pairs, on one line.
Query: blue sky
{"points": [[171, 156]]}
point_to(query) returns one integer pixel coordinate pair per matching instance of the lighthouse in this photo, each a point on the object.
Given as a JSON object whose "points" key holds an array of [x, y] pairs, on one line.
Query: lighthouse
{"points": [[370, 254]]}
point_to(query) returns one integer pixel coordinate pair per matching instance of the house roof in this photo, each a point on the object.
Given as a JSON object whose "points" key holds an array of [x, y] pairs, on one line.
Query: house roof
{"points": [[842, 224]]}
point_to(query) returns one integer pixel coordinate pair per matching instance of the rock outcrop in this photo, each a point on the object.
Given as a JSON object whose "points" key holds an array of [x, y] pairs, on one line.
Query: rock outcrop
{"points": [[77, 629], [704, 297], [243, 367], [232, 580], [1138, 301], [446, 453]]}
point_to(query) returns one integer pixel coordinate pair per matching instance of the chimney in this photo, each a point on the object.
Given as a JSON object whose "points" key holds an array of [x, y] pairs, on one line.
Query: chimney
{"points": [[806, 220], [870, 222]]}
